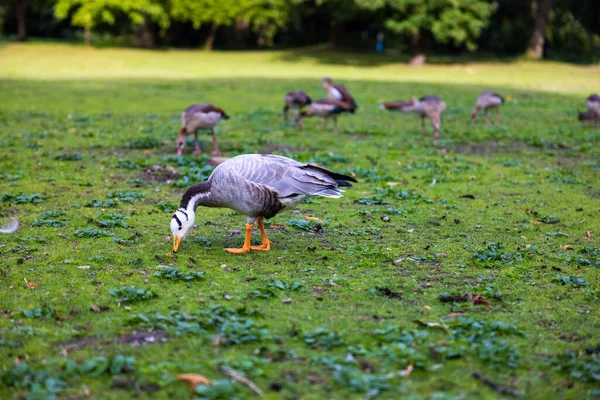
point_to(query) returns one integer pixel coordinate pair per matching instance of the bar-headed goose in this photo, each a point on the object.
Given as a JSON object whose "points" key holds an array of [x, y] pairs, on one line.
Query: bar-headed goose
{"points": [[295, 100], [487, 101], [426, 106], [327, 109], [258, 186], [196, 117]]}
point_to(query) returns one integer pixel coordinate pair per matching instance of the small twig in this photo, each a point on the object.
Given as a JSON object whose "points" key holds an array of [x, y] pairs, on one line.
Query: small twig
{"points": [[242, 379], [498, 387]]}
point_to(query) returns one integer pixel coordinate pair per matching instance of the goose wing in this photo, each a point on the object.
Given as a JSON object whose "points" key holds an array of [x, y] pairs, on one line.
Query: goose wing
{"points": [[288, 177]]}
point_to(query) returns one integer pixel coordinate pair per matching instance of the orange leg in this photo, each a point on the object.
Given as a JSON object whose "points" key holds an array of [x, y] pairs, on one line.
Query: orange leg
{"points": [[266, 243], [246, 247]]}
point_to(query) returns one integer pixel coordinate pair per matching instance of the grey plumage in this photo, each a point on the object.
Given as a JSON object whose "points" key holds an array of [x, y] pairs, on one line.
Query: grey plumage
{"points": [[12, 226], [261, 185]]}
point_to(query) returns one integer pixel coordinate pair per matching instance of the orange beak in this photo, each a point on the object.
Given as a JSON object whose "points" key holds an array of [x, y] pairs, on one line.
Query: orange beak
{"points": [[176, 242]]}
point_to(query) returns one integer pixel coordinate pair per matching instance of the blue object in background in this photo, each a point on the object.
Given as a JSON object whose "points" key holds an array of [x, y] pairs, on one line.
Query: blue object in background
{"points": [[379, 45]]}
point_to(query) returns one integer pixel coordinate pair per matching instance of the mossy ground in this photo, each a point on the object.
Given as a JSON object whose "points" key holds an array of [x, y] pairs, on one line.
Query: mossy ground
{"points": [[510, 212]]}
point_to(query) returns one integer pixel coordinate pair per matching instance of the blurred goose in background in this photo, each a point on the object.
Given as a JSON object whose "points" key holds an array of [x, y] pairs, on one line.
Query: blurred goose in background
{"points": [[258, 186], [196, 117], [327, 109], [426, 106], [295, 100], [12, 226], [593, 105], [337, 91], [487, 101]]}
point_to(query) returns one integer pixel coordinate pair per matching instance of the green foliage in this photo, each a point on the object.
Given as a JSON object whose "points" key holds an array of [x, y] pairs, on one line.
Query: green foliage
{"points": [[127, 197], [457, 21], [265, 17], [305, 225], [175, 274], [219, 389], [357, 381], [322, 338], [53, 219], [570, 280], [90, 13], [51, 379], [583, 367], [92, 233], [130, 294], [22, 198]]}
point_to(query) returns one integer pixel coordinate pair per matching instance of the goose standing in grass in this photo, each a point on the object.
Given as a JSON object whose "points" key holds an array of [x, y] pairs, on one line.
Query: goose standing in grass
{"points": [[327, 109], [487, 101], [593, 105], [295, 100], [196, 117], [426, 106], [12, 226], [337, 91], [258, 186]]}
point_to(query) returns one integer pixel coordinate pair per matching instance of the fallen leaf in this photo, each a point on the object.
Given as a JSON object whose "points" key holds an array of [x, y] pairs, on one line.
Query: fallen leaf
{"points": [[567, 247], [286, 300], [588, 234], [30, 285], [407, 371], [95, 308], [193, 380], [440, 255], [314, 219], [534, 222], [453, 315], [427, 307], [480, 300], [437, 325]]}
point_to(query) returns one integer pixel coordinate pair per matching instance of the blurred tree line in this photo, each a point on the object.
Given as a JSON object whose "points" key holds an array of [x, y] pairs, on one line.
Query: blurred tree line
{"points": [[562, 29]]}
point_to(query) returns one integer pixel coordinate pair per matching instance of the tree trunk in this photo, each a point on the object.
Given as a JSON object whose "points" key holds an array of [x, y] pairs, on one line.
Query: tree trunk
{"points": [[145, 36], [21, 8], [87, 36], [418, 55], [336, 33], [210, 40], [539, 10]]}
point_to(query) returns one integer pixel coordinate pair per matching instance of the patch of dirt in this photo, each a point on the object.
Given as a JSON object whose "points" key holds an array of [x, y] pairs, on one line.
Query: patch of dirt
{"points": [[137, 339], [484, 148], [77, 344], [389, 293], [128, 383], [280, 148], [156, 173]]}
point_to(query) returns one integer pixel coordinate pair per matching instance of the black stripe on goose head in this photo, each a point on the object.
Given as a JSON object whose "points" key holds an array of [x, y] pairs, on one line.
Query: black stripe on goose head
{"points": [[199, 188]]}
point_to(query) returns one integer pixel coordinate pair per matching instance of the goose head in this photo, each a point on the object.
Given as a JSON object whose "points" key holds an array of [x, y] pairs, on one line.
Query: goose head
{"points": [[181, 223]]}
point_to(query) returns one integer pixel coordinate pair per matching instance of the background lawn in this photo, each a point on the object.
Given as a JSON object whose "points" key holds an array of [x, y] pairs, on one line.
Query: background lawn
{"points": [[475, 252]]}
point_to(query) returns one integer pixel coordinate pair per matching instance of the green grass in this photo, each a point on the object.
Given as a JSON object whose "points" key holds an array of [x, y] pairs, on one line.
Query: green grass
{"points": [[82, 127]]}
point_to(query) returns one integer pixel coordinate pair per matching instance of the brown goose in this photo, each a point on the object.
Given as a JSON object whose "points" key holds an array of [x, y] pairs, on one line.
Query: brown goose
{"points": [[487, 101], [337, 91], [295, 100], [325, 108], [593, 105], [196, 117], [12, 226], [258, 186], [426, 106]]}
